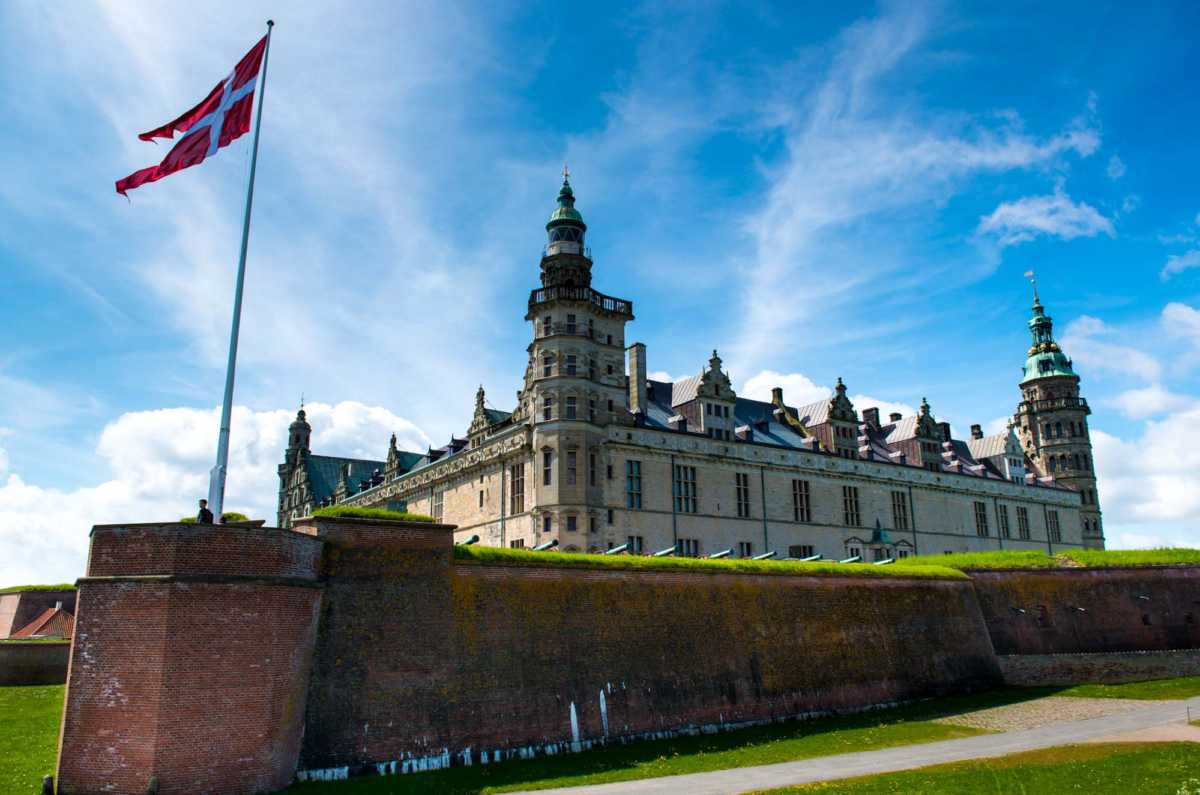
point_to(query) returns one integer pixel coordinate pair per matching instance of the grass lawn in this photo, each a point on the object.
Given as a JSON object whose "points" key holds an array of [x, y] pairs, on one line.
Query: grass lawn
{"points": [[28, 735], [1102, 768], [755, 746], [1159, 689]]}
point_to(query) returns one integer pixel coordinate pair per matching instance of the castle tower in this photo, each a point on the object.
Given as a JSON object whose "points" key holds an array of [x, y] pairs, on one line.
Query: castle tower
{"points": [[299, 435], [574, 383], [1052, 422]]}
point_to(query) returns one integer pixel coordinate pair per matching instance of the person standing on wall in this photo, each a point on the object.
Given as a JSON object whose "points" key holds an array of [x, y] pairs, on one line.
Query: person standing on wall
{"points": [[205, 516]]}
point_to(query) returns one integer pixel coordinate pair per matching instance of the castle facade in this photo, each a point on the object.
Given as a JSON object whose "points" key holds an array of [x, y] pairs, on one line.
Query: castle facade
{"points": [[596, 456]]}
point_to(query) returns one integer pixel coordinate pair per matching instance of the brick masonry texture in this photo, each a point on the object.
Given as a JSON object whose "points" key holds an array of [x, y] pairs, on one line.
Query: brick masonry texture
{"points": [[200, 683], [1091, 610], [1109, 668], [33, 663], [421, 657], [223, 659]]}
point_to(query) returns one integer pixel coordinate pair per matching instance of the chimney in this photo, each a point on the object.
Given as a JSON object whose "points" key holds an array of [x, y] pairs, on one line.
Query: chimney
{"points": [[976, 431], [944, 430], [777, 395], [894, 416], [871, 417], [58, 605], [637, 377]]}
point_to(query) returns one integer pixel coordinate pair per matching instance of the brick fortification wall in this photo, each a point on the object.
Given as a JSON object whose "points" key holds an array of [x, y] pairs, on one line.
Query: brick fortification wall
{"points": [[33, 663], [1123, 609], [422, 660], [19, 608], [191, 659], [1107, 668]]}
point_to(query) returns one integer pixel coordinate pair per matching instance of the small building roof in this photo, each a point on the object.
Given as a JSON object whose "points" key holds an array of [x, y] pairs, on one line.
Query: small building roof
{"points": [[54, 622]]}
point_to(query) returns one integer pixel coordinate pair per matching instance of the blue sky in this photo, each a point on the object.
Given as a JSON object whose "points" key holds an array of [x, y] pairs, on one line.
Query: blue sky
{"points": [[816, 193]]}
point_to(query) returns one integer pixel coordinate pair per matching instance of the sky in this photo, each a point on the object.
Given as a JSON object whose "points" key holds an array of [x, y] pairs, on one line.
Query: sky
{"points": [[817, 190]]}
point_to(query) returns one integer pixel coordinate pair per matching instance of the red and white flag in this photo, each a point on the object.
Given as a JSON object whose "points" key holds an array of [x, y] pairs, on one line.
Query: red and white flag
{"points": [[220, 119]]}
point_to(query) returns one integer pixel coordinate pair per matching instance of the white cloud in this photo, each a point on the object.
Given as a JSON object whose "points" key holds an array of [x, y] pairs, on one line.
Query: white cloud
{"points": [[1116, 168], [1178, 263], [663, 375], [798, 389], [886, 407], [1055, 215], [997, 425], [1086, 338], [1182, 322], [1149, 402], [159, 462]]}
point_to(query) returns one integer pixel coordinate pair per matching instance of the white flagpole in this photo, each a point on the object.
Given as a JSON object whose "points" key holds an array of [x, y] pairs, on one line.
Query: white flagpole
{"points": [[216, 482]]}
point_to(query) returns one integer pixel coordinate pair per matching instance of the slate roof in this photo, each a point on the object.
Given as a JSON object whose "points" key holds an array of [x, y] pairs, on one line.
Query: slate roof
{"points": [[54, 622], [902, 429], [815, 413], [989, 446], [324, 471], [685, 390], [495, 416]]}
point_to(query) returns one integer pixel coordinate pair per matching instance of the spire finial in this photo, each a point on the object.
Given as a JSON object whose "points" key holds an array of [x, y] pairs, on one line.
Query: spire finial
{"points": [[1033, 281], [566, 173]]}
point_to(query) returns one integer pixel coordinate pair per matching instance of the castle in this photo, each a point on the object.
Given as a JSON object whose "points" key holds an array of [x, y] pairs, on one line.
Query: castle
{"points": [[597, 456]]}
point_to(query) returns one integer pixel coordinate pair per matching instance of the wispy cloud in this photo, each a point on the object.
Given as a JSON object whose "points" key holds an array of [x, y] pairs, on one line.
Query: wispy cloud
{"points": [[1178, 263], [1116, 168], [1054, 215], [1089, 340]]}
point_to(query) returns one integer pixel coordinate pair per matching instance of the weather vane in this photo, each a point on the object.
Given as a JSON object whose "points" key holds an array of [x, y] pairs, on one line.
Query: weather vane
{"points": [[1032, 280], [566, 172]]}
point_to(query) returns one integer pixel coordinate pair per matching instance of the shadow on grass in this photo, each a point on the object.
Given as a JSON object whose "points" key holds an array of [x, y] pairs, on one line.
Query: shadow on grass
{"points": [[913, 723]]}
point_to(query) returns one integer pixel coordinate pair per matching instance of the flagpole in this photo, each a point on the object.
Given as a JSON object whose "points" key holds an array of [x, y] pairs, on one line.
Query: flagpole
{"points": [[216, 482]]}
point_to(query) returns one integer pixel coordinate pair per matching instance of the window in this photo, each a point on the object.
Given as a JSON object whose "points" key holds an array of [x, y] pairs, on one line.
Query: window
{"points": [[854, 552], [1002, 520], [608, 369], [547, 524], [608, 471], [1058, 429], [547, 366], [800, 550], [900, 510], [1052, 526], [481, 499], [517, 543], [592, 469], [591, 328], [633, 485], [610, 406], [1023, 522], [609, 339], [547, 467], [571, 324], [635, 545], [879, 553], [546, 326], [572, 523], [850, 513], [570, 414], [1053, 464], [438, 502], [981, 519], [725, 411], [547, 408], [591, 409], [688, 547], [685, 489], [516, 498], [743, 495], [745, 549], [1046, 431], [572, 467], [571, 363], [933, 467], [901, 553], [708, 407], [610, 515], [801, 506]]}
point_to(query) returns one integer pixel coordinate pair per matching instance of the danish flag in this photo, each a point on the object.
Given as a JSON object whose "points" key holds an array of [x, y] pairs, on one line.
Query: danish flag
{"points": [[220, 119]]}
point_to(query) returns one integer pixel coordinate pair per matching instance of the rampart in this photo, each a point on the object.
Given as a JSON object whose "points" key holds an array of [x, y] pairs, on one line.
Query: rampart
{"points": [[33, 662], [221, 659], [1060, 611]]}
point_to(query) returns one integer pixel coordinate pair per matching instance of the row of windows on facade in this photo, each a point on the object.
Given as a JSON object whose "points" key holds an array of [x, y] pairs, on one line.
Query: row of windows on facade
{"points": [[692, 547], [570, 408], [571, 326], [983, 529], [1056, 430], [1063, 461], [570, 366]]}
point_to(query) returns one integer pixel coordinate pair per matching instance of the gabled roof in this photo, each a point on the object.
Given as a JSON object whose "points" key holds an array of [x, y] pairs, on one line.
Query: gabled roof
{"points": [[54, 622], [324, 471], [989, 446], [686, 390]]}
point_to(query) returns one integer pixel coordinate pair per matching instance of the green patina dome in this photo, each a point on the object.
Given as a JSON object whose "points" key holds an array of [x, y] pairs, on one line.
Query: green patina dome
{"points": [[565, 214], [1045, 358]]}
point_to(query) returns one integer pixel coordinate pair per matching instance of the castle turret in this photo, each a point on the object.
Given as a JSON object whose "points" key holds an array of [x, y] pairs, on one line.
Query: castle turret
{"points": [[1052, 421], [299, 435]]}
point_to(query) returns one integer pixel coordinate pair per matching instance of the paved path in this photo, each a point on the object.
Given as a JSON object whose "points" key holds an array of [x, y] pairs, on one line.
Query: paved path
{"points": [[907, 757]]}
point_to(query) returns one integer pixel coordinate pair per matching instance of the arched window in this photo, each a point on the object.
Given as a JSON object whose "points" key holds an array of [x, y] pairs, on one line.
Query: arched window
{"points": [[1058, 429], [1053, 464], [1047, 433], [1078, 463]]}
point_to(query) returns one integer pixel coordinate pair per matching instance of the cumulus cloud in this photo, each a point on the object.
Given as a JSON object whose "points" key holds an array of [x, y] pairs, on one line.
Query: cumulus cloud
{"points": [[800, 390], [1055, 215], [1089, 341], [158, 464], [1151, 477], [1178, 263], [1150, 401], [1116, 168]]}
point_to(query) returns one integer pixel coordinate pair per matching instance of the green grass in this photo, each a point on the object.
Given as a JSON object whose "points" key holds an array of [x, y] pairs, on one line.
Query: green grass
{"points": [[28, 735], [66, 641], [760, 745], [1155, 690], [356, 512], [65, 586], [1073, 558], [524, 557], [1117, 768]]}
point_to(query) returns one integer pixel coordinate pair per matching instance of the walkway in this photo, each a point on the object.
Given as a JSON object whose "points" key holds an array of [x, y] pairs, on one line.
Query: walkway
{"points": [[886, 760]]}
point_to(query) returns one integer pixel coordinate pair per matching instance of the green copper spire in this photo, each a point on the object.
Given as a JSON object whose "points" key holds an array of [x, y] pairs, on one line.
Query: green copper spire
{"points": [[566, 224], [1045, 357]]}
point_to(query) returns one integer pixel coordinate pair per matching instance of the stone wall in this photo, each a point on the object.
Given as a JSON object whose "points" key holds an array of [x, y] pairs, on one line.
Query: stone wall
{"points": [[1061, 611], [422, 660], [33, 663], [191, 660], [1110, 668]]}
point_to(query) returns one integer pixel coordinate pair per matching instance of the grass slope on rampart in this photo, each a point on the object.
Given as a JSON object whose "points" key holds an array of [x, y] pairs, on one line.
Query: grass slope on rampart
{"points": [[1066, 559]]}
